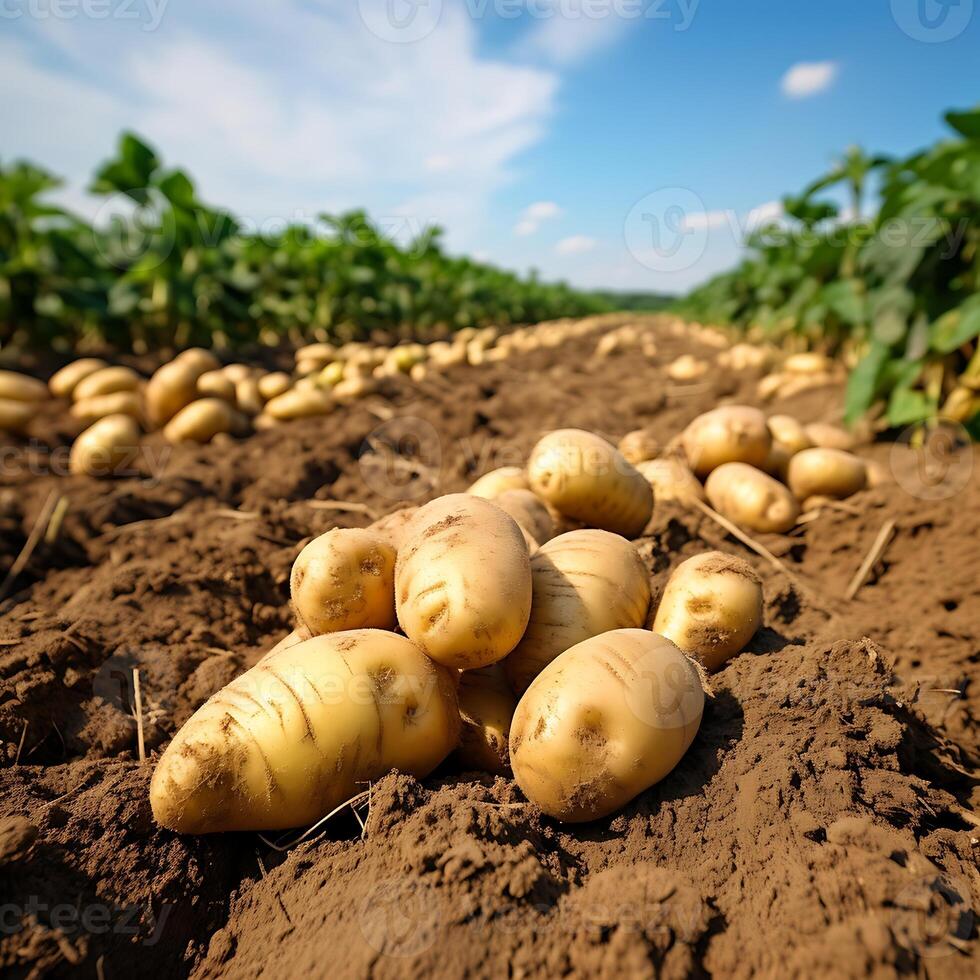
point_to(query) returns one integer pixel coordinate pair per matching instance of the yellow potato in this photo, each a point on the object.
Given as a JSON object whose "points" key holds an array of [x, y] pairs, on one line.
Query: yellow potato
{"points": [[392, 526], [202, 420], [303, 731], [198, 359], [486, 706], [172, 388], [733, 434], [826, 473], [639, 446], [496, 482], [531, 514], [64, 382], [107, 381], [586, 478], [584, 583], [809, 362], [106, 447], [825, 436], [463, 581], [687, 368], [275, 384], [344, 580], [751, 498], [216, 384], [711, 607], [248, 398], [789, 432], [609, 718], [90, 410], [236, 373], [671, 479], [297, 404], [16, 415], [16, 387], [351, 389]]}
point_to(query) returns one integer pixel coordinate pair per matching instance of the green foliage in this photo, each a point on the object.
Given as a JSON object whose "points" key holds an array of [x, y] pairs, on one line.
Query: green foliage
{"points": [[897, 293], [168, 270]]}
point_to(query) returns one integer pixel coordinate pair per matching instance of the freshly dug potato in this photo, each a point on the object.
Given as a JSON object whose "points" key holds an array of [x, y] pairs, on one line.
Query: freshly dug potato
{"points": [[202, 420], [298, 635], [733, 434], [198, 359], [671, 479], [711, 607], [275, 384], [351, 389], [496, 482], [486, 705], [608, 719], [172, 387], [297, 404], [97, 407], [585, 477], [237, 372], [344, 580], [878, 474], [531, 514], [789, 432], [825, 436], [107, 381], [16, 415], [826, 473], [808, 362], [331, 375], [64, 382], [107, 447], [687, 368], [392, 526], [216, 384], [463, 581], [303, 731], [248, 398], [16, 387], [751, 498], [584, 583], [639, 446]]}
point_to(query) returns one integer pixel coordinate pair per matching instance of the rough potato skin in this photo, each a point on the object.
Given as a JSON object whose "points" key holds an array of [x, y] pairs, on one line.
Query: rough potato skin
{"points": [[392, 526], [752, 499], [463, 581], [531, 514]]}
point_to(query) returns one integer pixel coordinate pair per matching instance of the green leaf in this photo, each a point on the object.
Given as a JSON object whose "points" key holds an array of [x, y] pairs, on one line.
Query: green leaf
{"points": [[955, 328], [862, 385], [907, 406], [965, 123]]}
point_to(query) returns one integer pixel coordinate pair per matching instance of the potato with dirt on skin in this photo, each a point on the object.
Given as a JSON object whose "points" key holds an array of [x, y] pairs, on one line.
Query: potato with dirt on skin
{"points": [[107, 381], [830, 473], [486, 706], [202, 420], [303, 731], [586, 478], [606, 720], [498, 481], [752, 499], [639, 446], [90, 410], [711, 607], [105, 448], [344, 580], [463, 581], [64, 382], [531, 514], [672, 480], [392, 526], [583, 583], [732, 434]]}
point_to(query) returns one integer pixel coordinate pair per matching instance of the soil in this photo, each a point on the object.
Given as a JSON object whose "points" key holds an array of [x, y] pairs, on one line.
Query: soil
{"points": [[822, 823]]}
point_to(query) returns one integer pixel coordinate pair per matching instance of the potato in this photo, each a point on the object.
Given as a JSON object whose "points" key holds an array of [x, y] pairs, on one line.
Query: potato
{"points": [[331, 375], [733, 434], [316, 352], [751, 498], [107, 381], [584, 583], [64, 382], [216, 384], [671, 479], [16, 415], [236, 373], [248, 398], [202, 420], [711, 607], [299, 635], [808, 362], [296, 404], [878, 474], [789, 432], [585, 477], [827, 436], [275, 384], [609, 718], [351, 389], [172, 388], [826, 473], [639, 446], [90, 410], [687, 368], [532, 516], [496, 482], [198, 359], [463, 581], [305, 730], [486, 706], [106, 448], [392, 526], [344, 580], [16, 387]]}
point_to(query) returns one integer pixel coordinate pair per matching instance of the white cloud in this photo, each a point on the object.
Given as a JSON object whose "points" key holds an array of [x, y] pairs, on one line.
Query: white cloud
{"points": [[576, 245], [570, 36], [524, 228], [808, 78], [705, 220], [533, 215]]}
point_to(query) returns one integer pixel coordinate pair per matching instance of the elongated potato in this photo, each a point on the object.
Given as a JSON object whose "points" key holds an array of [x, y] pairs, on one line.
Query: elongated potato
{"points": [[808, 362], [826, 473], [496, 482], [531, 514], [671, 479], [16, 415], [64, 382], [97, 407], [751, 498], [789, 432], [16, 387], [584, 583], [344, 580], [639, 446], [172, 388], [711, 607], [609, 718], [106, 447], [298, 635], [248, 398], [392, 526], [826, 436], [297, 404], [463, 581], [107, 381], [585, 477], [275, 384], [202, 420], [486, 705], [733, 434], [304, 730]]}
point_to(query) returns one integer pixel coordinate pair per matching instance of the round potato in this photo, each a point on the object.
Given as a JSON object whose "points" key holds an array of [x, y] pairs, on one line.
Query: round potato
{"points": [[496, 482], [586, 478], [751, 498], [584, 583], [733, 434], [609, 718], [344, 580], [671, 479], [463, 581], [90, 410], [531, 514], [711, 607], [64, 382], [486, 706], [107, 381], [16, 387], [826, 473], [106, 448], [639, 446], [216, 384], [275, 384]]}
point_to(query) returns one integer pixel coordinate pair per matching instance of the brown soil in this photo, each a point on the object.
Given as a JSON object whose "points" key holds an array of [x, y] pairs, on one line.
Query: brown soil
{"points": [[822, 823]]}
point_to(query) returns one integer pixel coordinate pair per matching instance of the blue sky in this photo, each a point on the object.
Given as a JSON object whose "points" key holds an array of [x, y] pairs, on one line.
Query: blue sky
{"points": [[559, 134]]}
